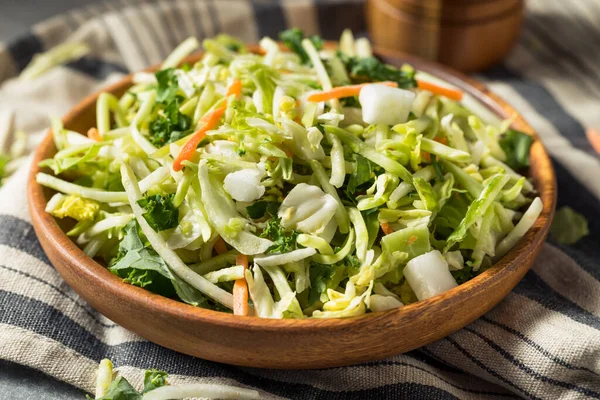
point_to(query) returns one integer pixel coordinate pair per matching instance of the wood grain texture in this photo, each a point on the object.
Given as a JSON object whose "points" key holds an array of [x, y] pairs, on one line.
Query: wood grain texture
{"points": [[470, 35], [251, 341]]}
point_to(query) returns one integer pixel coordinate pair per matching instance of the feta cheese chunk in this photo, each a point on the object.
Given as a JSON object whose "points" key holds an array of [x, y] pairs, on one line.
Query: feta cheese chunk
{"points": [[244, 185], [428, 275], [385, 105]]}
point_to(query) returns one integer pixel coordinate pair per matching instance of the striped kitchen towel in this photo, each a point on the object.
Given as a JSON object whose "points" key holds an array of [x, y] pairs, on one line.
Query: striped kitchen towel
{"points": [[541, 342]]}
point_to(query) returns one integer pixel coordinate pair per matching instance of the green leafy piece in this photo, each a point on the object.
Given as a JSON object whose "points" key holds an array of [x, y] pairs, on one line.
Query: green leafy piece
{"points": [[360, 175], [60, 164], [170, 125], [141, 266], [190, 295], [260, 208], [136, 263], [167, 87], [477, 208], [450, 215], [463, 275], [370, 69], [292, 39], [328, 276], [160, 213], [153, 379], [516, 145], [371, 218], [426, 194], [351, 101], [120, 389], [319, 275], [444, 189], [568, 226], [283, 241], [439, 170]]}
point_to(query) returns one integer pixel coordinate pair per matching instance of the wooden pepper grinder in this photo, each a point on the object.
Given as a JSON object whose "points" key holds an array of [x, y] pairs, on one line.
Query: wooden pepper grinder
{"points": [[469, 35]]}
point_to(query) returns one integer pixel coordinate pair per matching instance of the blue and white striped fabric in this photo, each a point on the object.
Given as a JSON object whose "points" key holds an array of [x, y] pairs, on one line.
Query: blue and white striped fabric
{"points": [[541, 342]]}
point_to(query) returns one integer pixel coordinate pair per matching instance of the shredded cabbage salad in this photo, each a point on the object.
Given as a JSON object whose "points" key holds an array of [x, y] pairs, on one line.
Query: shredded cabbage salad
{"points": [[299, 182]]}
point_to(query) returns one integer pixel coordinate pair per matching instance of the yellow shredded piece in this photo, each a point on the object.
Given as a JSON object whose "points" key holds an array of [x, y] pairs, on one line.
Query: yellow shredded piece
{"points": [[77, 208]]}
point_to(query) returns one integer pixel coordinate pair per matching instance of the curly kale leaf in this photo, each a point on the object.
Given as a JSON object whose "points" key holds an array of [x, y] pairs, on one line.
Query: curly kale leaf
{"points": [[370, 69], [292, 38], [161, 214], [283, 241]]}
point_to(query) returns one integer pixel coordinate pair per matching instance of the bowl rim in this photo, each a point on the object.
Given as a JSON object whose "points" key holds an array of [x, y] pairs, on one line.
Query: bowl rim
{"points": [[98, 275]]}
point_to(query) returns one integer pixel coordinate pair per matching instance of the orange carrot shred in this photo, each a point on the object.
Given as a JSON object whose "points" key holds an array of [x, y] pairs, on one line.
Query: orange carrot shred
{"points": [[209, 121], [242, 260], [453, 94], [235, 88], [93, 134], [220, 246], [240, 289], [386, 228], [342, 91]]}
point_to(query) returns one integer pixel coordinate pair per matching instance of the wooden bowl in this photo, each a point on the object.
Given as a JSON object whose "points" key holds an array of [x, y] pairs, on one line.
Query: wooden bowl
{"points": [[308, 343], [469, 35]]}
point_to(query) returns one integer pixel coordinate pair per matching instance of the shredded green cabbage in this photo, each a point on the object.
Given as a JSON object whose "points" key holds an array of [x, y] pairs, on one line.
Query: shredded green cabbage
{"points": [[329, 209]]}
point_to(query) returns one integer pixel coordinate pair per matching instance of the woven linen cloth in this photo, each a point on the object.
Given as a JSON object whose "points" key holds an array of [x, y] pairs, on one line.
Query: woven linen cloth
{"points": [[541, 342]]}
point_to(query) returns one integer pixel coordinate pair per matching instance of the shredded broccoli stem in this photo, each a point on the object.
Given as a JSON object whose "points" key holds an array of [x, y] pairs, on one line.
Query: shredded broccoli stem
{"points": [[340, 215], [182, 51]]}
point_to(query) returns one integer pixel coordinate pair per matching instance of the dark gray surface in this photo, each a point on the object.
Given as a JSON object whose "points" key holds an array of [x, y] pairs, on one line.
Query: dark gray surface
{"points": [[20, 383], [17, 16]]}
